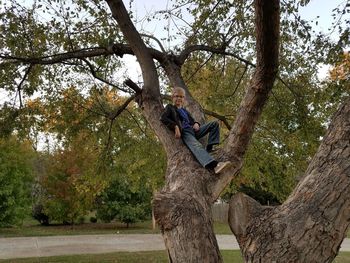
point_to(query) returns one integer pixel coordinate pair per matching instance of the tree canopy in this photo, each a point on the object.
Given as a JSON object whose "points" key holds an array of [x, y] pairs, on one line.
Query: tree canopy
{"points": [[51, 46]]}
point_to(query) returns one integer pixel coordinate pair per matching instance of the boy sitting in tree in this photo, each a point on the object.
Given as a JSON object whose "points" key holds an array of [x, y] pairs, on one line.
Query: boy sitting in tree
{"points": [[179, 120]]}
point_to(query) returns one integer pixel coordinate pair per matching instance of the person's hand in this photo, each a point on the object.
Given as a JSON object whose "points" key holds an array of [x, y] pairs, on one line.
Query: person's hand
{"points": [[196, 127], [177, 132]]}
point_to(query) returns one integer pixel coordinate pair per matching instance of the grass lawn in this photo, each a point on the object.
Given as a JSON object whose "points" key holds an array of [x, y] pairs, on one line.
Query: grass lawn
{"points": [[139, 257], [33, 228], [121, 257]]}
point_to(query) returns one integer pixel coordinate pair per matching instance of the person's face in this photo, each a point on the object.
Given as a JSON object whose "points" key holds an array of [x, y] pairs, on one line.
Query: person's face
{"points": [[178, 99]]}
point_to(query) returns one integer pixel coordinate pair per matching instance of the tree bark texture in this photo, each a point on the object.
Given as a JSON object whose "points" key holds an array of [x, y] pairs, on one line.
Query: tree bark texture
{"points": [[311, 224]]}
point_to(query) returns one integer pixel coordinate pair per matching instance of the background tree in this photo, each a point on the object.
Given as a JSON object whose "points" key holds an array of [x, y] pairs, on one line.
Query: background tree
{"points": [[16, 177], [81, 166], [124, 202], [71, 183]]}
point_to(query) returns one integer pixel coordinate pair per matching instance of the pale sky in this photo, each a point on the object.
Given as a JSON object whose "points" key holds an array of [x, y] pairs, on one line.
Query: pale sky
{"points": [[322, 8]]}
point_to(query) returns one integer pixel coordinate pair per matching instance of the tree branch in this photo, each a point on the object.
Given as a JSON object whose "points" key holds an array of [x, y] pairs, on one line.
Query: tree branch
{"points": [[187, 51], [219, 117], [199, 67], [149, 72], [94, 74], [137, 123], [180, 59], [121, 108], [242, 209], [155, 39], [267, 46], [132, 85], [57, 58], [239, 81], [19, 87]]}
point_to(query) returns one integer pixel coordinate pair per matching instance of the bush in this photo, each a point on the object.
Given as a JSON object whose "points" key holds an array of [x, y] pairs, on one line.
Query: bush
{"points": [[93, 219], [69, 185], [38, 214], [125, 203], [81, 220], [16, 178]]}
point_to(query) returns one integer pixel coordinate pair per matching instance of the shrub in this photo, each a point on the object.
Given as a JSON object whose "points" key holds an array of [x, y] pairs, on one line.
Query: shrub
{"points": [[124, 202], [93, 219], [38, 214], [16, 178]]}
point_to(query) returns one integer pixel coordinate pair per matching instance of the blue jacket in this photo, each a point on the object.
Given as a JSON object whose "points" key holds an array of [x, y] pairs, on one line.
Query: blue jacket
{"points": [[170, 117]]}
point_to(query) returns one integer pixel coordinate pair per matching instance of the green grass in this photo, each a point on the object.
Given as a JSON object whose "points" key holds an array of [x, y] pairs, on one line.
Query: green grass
{"points": [[343, 257], [32, 228], [121, 257], [139, 257], [222, 229]]}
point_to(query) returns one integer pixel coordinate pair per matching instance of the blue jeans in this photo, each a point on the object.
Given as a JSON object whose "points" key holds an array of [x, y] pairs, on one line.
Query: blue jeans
{"points": [[190, 138]]}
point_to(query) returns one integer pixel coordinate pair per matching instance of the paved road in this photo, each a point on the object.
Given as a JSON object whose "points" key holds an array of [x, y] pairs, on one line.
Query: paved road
{"points": [[22, 247]]}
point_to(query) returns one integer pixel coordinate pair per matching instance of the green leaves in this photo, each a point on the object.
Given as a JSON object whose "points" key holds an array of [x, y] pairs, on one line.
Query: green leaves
{"points": [[16, 176], [71, 181], [123, 202], [75, 109]]}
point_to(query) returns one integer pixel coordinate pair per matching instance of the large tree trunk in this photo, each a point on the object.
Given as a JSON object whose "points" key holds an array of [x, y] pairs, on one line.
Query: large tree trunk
{"points": [[311, 224], [183, 211]]}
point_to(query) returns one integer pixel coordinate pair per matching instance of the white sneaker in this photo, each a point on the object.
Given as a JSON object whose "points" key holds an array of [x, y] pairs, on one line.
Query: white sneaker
{"points": [[221, 166]]}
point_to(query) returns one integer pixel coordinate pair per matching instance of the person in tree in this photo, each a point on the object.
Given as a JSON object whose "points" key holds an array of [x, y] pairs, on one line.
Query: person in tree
{"points": [[179, 120]]}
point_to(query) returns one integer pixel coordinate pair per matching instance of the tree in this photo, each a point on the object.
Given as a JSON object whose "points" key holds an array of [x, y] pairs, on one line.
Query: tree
{"points": [[313, 213], [16, 177], [71, 182], [82, 165], [124, 202]]}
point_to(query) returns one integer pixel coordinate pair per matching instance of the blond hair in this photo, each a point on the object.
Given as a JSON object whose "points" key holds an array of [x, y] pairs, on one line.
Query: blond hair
{"points": [[178, 90]]}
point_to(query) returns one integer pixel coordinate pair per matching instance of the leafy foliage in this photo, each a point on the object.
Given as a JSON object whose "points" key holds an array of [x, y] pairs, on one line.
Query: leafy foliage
{"points": [[16, 176], [124, 202], [71, 182], [90, 150], [288, 132], [90, 146]]}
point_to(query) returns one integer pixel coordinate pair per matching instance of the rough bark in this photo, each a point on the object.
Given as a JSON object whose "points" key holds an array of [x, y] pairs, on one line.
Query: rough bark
{"points": [[183, 207], [183, 212], [311, 224]]}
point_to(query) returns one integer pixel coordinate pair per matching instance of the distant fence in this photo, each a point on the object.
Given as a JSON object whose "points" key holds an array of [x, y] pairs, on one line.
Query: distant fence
{"points": [[220, 212]]}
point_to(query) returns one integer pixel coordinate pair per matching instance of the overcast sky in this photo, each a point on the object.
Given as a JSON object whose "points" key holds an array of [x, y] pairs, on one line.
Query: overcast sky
{"points": [[321, 8]]}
